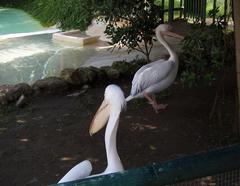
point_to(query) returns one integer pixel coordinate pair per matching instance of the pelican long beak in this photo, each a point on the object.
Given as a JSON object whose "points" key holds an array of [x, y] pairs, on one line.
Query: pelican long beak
{"points": [[100, 119], [172, 34]]}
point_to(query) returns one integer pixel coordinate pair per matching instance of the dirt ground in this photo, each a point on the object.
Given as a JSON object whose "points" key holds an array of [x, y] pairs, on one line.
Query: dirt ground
{"points": [[42, 141]]}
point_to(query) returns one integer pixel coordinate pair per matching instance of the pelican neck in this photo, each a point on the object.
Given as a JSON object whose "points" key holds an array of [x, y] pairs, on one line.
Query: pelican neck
{"points": [[161, 39], [113, 159]]}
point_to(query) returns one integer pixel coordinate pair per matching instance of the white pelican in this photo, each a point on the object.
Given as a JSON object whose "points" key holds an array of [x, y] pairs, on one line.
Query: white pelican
{"points": [[156, 76], [110, 109]]}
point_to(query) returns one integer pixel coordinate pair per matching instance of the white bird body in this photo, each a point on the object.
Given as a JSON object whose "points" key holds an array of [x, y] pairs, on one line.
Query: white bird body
{"points": [[79, 171], [153, 78], [156, 76], [110, 109]]}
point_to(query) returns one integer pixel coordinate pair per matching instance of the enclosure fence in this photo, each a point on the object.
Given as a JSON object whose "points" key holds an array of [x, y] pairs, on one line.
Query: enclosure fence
{"points": [[196, 10], [219, 167], [230, 178]]}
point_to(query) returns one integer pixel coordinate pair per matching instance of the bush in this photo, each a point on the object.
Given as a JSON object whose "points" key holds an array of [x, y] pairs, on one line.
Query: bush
{"points": [[202, 55]]}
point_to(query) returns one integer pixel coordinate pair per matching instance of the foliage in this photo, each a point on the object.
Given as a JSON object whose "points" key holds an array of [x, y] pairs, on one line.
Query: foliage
{"points": [[206, 51], [71, 14], [202, 54], [130, 24], [12, 3], [214, 13]]}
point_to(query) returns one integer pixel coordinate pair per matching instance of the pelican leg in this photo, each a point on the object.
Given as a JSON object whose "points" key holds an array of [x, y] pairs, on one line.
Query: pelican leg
{"points": [[148, 96], [152, 100], [159, 107]]}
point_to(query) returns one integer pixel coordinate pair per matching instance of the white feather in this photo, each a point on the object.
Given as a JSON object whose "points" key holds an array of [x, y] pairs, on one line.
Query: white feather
{"points": [[114, 97], [79, 171], [158, 75], [154, 73]]}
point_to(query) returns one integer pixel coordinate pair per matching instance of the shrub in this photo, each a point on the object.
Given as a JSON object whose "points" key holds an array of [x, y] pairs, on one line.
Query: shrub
{"points": [[202, 55]]}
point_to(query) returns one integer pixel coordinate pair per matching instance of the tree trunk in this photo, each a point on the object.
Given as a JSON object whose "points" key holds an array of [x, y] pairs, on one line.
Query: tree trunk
{"points": [[236, 8]]}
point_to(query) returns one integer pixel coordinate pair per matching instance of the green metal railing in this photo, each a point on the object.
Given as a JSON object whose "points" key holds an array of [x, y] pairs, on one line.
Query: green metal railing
{"points": [[200, 168], [195, 9]]}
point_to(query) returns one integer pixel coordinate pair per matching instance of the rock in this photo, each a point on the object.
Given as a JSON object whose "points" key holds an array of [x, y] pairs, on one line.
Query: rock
{"points": [[104, 69], [91, 73], [85, 87], [5, 88], [66, 74], [101, 75], [19, 89], [3, 99], [21, 101], [50, 85], [75, 94], [79, 77], [121, 66], [113, 74]]}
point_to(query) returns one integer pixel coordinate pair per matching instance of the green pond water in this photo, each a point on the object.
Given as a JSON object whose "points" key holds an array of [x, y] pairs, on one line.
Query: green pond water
{"points": [[32, 57], [17, 21]]}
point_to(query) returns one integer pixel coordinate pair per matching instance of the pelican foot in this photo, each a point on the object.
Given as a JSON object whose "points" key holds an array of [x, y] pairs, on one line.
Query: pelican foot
{"points": [[159, 107]]}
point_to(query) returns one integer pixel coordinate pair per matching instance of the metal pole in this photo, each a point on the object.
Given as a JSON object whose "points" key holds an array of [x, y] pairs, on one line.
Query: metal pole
{"points": [[214, 7], [236, 8], [163, 9], [225, 12], [171, 11], [181, 6]]}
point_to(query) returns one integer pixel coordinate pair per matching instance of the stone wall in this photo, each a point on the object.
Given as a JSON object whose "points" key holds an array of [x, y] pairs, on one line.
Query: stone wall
{"points": [[70, 79]]}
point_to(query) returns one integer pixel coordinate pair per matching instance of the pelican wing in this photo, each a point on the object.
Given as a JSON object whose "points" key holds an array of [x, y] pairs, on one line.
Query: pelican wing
{"points": [[149, 75], [79, 171], [144, 67]]}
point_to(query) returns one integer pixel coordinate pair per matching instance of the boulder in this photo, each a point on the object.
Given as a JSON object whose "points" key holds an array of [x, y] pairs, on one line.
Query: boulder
{"points": [[101, 75], [66, 74], [121, 66], [22, 101], [113, 74], [17, 90], [51, 85], [5, 88], [103, 71], [3, 99], [79, 77], [91, 73]]}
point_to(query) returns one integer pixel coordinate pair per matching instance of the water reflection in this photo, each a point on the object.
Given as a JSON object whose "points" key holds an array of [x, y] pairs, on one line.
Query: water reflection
{"points": [[28, 59]]}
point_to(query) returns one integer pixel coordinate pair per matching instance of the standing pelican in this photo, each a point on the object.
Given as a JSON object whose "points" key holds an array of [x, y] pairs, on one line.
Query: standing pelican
{"points": [[109, 112], [156, 76]]}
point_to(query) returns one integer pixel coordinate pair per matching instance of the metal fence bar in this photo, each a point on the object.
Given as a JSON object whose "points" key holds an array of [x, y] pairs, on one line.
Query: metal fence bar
{"points": [[195, 9], [170, 10], [170, 172], [214, 7], [225, 11], [203, 14], [163, 4], [181, 6]]}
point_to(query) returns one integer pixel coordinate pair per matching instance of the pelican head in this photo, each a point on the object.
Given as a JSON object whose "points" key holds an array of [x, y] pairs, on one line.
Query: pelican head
{"points": [[114, 101], [165, 29]]}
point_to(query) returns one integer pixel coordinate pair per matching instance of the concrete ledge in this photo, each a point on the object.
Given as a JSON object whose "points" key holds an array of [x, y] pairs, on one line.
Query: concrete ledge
{"points": [[74, 37]]}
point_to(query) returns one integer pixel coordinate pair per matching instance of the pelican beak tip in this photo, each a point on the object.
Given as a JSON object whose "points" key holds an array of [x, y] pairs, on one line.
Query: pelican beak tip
{"points": [[91, 133]]}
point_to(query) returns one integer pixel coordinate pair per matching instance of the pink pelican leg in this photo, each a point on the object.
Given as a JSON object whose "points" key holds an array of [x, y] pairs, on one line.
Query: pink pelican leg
{"points": [[152, 100]]}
